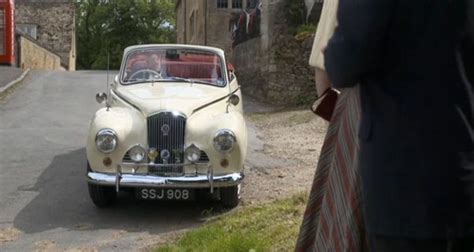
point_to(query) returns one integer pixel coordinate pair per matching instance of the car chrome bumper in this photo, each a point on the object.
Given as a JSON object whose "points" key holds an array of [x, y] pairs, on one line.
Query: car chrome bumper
{"points": [[142, 180]]}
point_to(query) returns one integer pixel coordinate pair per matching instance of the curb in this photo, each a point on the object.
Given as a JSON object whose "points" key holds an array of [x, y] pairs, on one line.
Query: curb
{"points": [[4, 90]]}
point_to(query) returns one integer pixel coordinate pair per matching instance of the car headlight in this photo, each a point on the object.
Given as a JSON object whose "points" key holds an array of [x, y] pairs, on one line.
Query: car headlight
{"points": [[106, 140], [137, 153], [192, 153], [224, 141]]}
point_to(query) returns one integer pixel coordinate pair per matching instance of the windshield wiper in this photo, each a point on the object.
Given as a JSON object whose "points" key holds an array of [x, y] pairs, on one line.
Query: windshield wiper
{"points": [[190, 80], [180, 79], [135, 81]]}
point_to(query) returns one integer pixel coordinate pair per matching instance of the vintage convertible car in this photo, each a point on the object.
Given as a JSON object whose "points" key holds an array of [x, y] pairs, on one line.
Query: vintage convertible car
{"points": [[172, 128]]}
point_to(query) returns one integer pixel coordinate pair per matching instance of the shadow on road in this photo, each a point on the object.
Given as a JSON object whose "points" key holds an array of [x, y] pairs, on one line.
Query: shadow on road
{"points": [[63, 202]]}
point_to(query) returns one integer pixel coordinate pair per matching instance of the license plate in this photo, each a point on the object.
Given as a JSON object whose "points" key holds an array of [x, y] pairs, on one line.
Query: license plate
{"points": [[164, 194]]}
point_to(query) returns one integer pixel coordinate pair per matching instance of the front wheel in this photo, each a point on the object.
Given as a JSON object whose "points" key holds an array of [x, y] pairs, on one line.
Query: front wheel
{"points": [[102, 196], [230, 196]]}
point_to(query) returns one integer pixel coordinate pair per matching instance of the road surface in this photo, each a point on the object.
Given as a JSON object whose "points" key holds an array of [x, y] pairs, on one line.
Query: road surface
{"points": [[44, 202], [9, 74]]}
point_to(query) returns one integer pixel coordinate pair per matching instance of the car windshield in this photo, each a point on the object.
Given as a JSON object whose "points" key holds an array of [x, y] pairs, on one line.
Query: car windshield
{"points": [[166, 65]]}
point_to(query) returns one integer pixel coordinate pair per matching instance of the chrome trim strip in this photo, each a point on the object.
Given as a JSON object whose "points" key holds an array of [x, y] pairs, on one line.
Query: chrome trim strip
{"points": [[211, 178], [118, 178], [151, 47], [134, 180], [156, 165], [215, 101], [126, 101], [174, 112]]}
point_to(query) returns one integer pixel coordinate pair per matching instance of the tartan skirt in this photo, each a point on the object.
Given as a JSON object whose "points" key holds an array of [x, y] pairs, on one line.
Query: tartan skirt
{"points": [[333, 220]]}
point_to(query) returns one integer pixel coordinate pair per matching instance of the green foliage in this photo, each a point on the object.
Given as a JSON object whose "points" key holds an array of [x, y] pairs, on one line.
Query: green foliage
{"points": [[269, 227], [298, 20], [305, 99], [304, 28], [295, 12], [110, 26]]}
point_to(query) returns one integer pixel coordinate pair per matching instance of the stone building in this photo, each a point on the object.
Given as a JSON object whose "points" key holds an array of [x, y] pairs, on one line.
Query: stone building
{"points": [[271, 62], [52, 24], [206, 22]]}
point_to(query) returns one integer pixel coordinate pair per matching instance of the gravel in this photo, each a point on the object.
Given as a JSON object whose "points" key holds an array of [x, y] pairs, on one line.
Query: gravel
{"points": [[283, 159]]}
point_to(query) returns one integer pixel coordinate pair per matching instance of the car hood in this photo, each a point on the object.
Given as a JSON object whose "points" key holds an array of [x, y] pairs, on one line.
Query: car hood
{"points": [[181, 97]]}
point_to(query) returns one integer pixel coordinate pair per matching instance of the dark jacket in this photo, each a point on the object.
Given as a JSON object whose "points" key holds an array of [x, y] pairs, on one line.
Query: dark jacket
{"points": [[403, 54]]}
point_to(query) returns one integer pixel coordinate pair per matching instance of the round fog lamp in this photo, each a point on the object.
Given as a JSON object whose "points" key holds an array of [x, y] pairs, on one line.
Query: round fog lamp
{"points": [[137, 153], [192, 153]]}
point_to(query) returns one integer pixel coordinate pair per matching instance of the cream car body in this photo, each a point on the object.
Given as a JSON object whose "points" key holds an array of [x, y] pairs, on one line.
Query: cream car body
{"points": [[206, 109]]}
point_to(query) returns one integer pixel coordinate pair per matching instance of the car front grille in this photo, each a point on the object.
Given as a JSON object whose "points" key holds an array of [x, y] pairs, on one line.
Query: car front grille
{"points": [[166, 133], [204, 158], [127, 158]]}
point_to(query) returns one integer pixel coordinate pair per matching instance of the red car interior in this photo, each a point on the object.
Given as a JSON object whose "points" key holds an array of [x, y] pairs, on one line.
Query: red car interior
{"points": [[195, 70], [205, 67]]}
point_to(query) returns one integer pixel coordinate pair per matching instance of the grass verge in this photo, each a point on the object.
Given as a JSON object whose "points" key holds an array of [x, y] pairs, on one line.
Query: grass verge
{"points": [[267, 227]]}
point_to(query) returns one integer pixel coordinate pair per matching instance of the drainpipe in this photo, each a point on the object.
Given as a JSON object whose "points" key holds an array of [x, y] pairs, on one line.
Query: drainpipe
{"points": [[205, 22], [185, 13]]}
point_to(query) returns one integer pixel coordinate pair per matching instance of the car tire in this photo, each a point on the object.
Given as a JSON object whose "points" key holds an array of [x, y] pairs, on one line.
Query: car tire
{"points": [[102, 196], [230, 196]]}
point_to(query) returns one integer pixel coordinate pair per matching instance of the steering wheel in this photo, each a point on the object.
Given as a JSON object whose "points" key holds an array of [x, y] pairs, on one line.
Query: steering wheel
{"points": [[150, 72]]}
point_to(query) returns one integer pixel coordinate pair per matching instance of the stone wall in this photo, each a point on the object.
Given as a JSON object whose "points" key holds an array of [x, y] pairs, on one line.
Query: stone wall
{"points": [[191, 18], [208, 26], [55, 20], [280, 74], [274, 67], [180, 22], [251, 67], [218, 31], [34, 56]]}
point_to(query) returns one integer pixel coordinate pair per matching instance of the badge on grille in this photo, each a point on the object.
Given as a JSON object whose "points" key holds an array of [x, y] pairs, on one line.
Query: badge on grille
{"points": [[177, 155], [165, 155], [165, 129]]}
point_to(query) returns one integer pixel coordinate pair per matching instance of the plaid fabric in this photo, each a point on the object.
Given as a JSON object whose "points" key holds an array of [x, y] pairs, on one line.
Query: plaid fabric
{"points": [[333, 218]]}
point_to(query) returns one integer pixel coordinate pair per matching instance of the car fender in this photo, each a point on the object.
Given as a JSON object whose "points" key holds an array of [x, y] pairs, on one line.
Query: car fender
{"points": [[202, 128], [130, 127]]}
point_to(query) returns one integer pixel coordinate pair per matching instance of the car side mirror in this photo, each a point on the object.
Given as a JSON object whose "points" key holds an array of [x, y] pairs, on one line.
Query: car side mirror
{"points": [[234, 99], [101, 97], [116, 79]]}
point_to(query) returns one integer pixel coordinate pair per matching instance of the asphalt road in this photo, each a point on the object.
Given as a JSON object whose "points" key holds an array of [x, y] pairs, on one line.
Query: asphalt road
{"points": [[44, 202], [8, 74]]}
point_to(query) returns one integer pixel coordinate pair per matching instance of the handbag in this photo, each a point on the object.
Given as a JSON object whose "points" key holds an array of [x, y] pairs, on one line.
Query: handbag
{"points": [[325, 104]]}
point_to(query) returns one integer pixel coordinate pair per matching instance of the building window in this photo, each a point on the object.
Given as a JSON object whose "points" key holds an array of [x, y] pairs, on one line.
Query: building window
{"points": [[237, 4], [2, 32], [30, 29], [222, 4]]}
